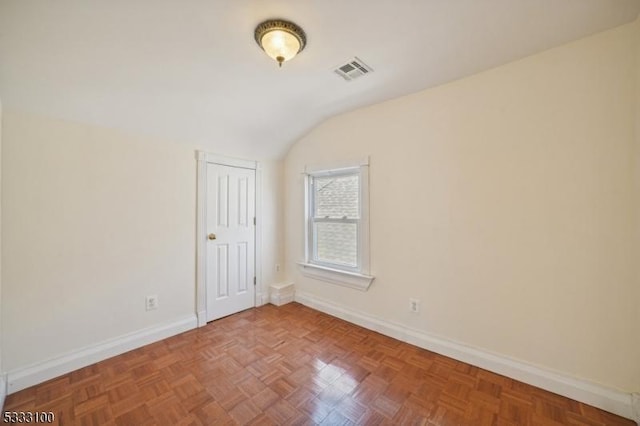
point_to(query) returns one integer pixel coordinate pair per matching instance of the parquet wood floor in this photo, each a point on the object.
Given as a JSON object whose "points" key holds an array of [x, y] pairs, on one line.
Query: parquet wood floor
{"points": [[294, 365]]}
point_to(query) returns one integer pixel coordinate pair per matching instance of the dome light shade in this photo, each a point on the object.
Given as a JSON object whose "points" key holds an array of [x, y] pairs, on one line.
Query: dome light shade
{"points": [[281, 40]]}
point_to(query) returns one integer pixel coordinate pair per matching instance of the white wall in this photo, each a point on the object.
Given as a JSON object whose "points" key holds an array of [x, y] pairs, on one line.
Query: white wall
{"points": [[94, 220], [505, 203], [2, 381]]}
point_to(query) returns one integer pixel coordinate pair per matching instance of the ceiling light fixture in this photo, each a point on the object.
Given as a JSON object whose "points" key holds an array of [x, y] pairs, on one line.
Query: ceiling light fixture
{"points": [[282, 40]]}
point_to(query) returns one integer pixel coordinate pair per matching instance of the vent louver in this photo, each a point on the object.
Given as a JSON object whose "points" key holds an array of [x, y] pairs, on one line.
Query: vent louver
{"points": [[353, 69]]}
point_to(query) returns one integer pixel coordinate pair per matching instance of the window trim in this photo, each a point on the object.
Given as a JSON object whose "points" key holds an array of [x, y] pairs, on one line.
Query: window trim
{"points": [[358, 277], [336, 276]]}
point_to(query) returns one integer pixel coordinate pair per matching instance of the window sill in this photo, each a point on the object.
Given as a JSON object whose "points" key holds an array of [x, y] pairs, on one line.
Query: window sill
{"points": [[347, 279]]}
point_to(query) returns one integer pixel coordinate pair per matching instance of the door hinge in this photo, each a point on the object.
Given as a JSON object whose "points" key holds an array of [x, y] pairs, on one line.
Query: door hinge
{"points": [[254, 220], [254, 280]]}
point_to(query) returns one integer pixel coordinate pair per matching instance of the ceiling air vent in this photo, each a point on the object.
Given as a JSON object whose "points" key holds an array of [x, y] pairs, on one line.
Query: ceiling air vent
{"points": [[353, 69]]}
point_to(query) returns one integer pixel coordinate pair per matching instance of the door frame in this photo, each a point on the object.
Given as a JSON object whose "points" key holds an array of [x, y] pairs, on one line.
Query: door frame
{"points": [[203, 159]]}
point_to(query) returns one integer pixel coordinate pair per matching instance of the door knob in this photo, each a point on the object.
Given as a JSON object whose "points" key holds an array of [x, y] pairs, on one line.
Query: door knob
{"points": [[212, 236]]}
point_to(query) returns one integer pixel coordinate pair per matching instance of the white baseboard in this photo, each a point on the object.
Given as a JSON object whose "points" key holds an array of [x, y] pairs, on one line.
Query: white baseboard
{"points": [[611, 400], [281, 294], [3, 390], [635, 402], [281, 300], [202, 318], [287, 299], [262, 299], [25, 377]]}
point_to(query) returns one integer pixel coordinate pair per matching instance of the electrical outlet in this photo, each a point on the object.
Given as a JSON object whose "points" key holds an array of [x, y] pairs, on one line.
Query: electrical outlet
{"points": [[414, 305], [151, 302]]}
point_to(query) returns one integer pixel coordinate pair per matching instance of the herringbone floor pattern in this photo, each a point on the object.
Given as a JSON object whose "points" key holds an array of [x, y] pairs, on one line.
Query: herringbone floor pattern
{"points": [[294, 365]]}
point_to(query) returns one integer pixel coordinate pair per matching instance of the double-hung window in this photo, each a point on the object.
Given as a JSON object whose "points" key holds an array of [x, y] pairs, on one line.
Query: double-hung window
{"points": [[337, 226]]}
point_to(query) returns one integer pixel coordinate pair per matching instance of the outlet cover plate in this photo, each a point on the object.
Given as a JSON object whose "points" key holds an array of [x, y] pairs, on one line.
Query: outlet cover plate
{"points": [[151, 302]]}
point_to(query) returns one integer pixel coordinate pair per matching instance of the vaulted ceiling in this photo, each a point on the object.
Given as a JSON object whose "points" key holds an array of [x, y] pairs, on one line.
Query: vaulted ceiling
{"points": [[190, 70]]}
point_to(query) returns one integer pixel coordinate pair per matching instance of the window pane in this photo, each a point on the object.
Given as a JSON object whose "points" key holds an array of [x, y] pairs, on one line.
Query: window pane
{"points": [[337, 243], [337, 196]]}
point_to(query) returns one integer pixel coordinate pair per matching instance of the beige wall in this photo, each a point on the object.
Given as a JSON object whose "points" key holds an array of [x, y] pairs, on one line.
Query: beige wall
{"points": [[637, 212], [94, 220], [272, 228], [1, 369], [505, 203]]}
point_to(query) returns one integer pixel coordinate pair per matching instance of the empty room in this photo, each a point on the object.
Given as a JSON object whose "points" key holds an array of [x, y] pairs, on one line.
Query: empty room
{"points": [[270, 212]]}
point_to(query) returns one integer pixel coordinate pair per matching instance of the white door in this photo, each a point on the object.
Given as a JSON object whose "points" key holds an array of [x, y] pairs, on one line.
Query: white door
{"points": [[230, 240]]}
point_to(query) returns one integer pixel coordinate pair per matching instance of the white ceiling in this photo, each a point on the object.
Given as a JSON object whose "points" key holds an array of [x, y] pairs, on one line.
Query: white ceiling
{"points": [[190, 71]]}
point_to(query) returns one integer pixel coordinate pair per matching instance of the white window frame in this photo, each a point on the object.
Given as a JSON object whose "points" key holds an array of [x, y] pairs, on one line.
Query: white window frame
{"points": [[355, 277]]}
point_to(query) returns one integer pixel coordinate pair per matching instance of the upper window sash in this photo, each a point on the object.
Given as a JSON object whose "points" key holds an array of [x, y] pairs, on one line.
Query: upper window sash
{"points": [[337, 173]]}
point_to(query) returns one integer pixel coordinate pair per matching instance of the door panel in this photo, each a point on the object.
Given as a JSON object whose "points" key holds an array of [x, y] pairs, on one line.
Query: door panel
{"points": [[243, 279], [231, 255], [223, 200], [222, 266]]}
